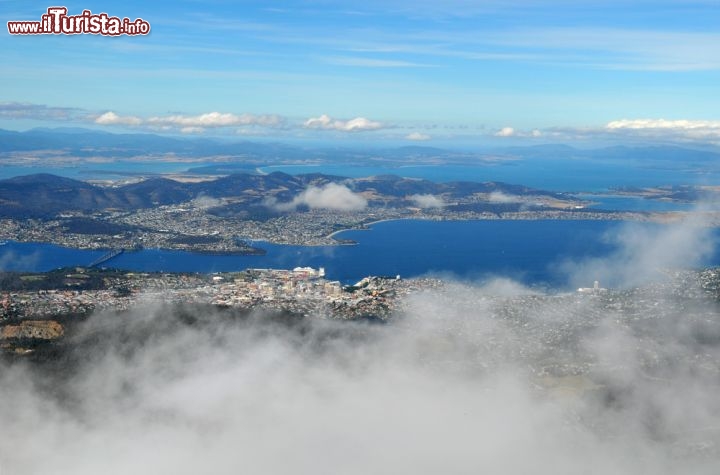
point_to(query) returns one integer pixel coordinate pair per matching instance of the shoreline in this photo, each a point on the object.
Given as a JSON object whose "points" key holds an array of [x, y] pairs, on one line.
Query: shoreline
{"points": [[662, 218], [371, 256], [371, 223], [658, 217]]}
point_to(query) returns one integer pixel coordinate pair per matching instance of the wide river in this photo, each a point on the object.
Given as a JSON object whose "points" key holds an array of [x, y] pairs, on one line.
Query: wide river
{"points": [[542, 253]]}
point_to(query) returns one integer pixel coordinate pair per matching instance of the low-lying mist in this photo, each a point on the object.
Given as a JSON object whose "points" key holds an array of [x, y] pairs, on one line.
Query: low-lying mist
{"points": [[490, 378], [644, 253], [461, 381]]}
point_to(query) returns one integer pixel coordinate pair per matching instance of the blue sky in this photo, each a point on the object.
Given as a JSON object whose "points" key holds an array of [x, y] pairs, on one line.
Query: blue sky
{"points": [[420, 71]]}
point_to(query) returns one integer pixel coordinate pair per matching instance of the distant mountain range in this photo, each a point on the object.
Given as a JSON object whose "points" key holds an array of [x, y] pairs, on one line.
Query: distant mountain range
{"points": [[45, 195], [81, 143], [85, 142]]}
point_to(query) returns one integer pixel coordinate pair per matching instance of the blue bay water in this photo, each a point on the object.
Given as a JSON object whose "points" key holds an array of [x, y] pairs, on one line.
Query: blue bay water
{"points": [[582, 177], [556, 175], [528, 251], [546, 174], [97, 171]]}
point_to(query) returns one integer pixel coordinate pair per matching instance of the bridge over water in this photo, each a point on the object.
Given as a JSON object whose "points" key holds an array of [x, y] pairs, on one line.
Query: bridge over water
{"points": [[112, 254]]}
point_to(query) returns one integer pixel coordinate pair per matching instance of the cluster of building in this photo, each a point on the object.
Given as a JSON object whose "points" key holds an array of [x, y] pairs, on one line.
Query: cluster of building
{"points": [[311, 228], [302, 290], [191, 227], [546, 334]]}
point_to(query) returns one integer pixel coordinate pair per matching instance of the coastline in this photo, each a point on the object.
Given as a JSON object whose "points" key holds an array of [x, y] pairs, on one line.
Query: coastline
{"points": [[707, 219], [387, 251], [366, 226]]}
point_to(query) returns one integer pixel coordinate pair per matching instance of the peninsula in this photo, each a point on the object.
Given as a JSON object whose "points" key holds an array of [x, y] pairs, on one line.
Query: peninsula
{"points": [[228, 215]]}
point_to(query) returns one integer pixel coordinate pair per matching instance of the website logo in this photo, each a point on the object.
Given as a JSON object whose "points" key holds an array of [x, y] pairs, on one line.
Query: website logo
{"points": [[57, 22]]}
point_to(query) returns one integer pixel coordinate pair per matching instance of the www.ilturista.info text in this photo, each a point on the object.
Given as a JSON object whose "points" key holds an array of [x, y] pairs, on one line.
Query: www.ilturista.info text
{"points": [[57, 22]]}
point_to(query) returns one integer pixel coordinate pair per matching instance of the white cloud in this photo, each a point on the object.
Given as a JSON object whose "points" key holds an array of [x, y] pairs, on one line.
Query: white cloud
{"points": [[505, 132], [216, 119], [320, 122], [644, 253], [191, 124], [682, 124], [500, 197], [111, 118], [325, 122], [680, 129], [417, 136], [427, 201], [192, 130], [511, 132], [461, 380], [330, 196]]}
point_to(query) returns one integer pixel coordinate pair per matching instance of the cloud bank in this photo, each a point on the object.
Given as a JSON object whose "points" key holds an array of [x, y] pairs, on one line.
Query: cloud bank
{"points": [[678, 129], [645, 253], [427, 201], [216, 119], [621, 130], [191, 123], [462, 381]]}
